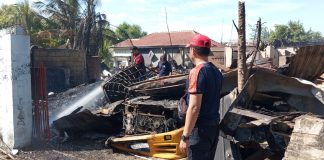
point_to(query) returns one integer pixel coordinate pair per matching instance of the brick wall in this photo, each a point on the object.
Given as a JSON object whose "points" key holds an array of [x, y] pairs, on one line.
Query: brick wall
{"points": [[73, 62], [93, 68]]}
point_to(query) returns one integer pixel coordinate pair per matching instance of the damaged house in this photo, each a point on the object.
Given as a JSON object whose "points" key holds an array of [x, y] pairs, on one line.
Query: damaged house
{"points": [[266, 120], [159, 43]]}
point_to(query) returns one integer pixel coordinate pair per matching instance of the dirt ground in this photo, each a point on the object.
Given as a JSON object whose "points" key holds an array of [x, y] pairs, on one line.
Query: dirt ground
{"points": [[84, 146], [88, 147], [4, 156]]}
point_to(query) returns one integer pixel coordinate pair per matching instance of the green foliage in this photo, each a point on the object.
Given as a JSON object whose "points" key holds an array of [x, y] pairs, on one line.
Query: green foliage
{"points": [[68, 23], [8, 15], [314, 35], [64, 14], [111, 37], [265, 33], [125, 31], [280, 32], [106, 54], [294, 32], [20, 14]]}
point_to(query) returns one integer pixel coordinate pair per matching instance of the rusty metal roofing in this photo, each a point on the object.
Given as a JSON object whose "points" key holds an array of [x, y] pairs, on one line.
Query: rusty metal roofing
{"points": [[308, 63]]}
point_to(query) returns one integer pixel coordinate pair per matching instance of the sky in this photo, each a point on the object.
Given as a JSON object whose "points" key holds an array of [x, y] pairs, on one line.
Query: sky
{"points": [[210, 17]]}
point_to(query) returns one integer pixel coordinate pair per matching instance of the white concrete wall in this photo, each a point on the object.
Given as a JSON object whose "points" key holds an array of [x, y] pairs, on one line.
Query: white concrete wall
{"points": [[228, 56], [6, 115], [284, 52], [15, 90], [272, 53]]}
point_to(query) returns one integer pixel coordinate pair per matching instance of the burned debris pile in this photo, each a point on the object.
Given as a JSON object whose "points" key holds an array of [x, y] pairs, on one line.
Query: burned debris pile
{"points": [[116, 87], [276, 115], [143, 115], [142, 103], [262, 117], [170, 87], [148, 106]]}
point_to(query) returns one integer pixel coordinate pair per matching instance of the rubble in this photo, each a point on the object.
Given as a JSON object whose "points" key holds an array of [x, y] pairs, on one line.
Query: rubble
{"points": [[129, 110], [116, 86], [167, 87], [144, 115], [79, 122], [307, 139], [260, 122], [266, 111], [90, 96]]}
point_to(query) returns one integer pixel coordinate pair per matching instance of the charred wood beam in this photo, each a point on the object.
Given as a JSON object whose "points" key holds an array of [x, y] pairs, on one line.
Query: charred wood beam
{"points": [[241, 59], [251, 114], [280, 133], [261, 119], [257, 45], [259, 122]]}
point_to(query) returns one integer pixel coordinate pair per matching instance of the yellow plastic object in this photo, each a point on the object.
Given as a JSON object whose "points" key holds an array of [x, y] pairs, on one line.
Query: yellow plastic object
{"points": [[163, 145]]}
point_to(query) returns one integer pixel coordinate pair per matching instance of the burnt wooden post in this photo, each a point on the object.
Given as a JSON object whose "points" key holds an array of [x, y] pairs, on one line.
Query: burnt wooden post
{"points": [[241, 60], [257, 46]]}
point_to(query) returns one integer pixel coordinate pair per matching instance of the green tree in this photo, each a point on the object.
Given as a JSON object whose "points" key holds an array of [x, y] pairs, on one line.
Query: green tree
{"points": [[64, 14], [106, 53], [76, 22], [111, 37], [125, 31], [20, 14], [72, 23], [293, 32], [8, 16], [63, 19], [280, 32], [314, 35], [265, 33]]}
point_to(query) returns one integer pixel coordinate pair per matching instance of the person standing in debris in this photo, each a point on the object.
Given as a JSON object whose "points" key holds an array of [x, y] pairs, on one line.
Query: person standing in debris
{"points": [[139, 61], [164, 67], [201, 130]]}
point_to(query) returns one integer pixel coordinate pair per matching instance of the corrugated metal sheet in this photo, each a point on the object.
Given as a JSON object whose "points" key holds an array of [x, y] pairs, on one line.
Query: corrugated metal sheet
{"points": [[308, 63]]}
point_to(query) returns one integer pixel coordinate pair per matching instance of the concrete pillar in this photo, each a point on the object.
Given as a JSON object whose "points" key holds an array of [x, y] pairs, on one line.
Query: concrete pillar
{"points": [[228, 56], [15, 89], [272, 53]]}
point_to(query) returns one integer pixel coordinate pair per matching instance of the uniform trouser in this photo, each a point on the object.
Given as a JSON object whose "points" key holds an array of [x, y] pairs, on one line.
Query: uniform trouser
{"points": [[203, 142]]}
